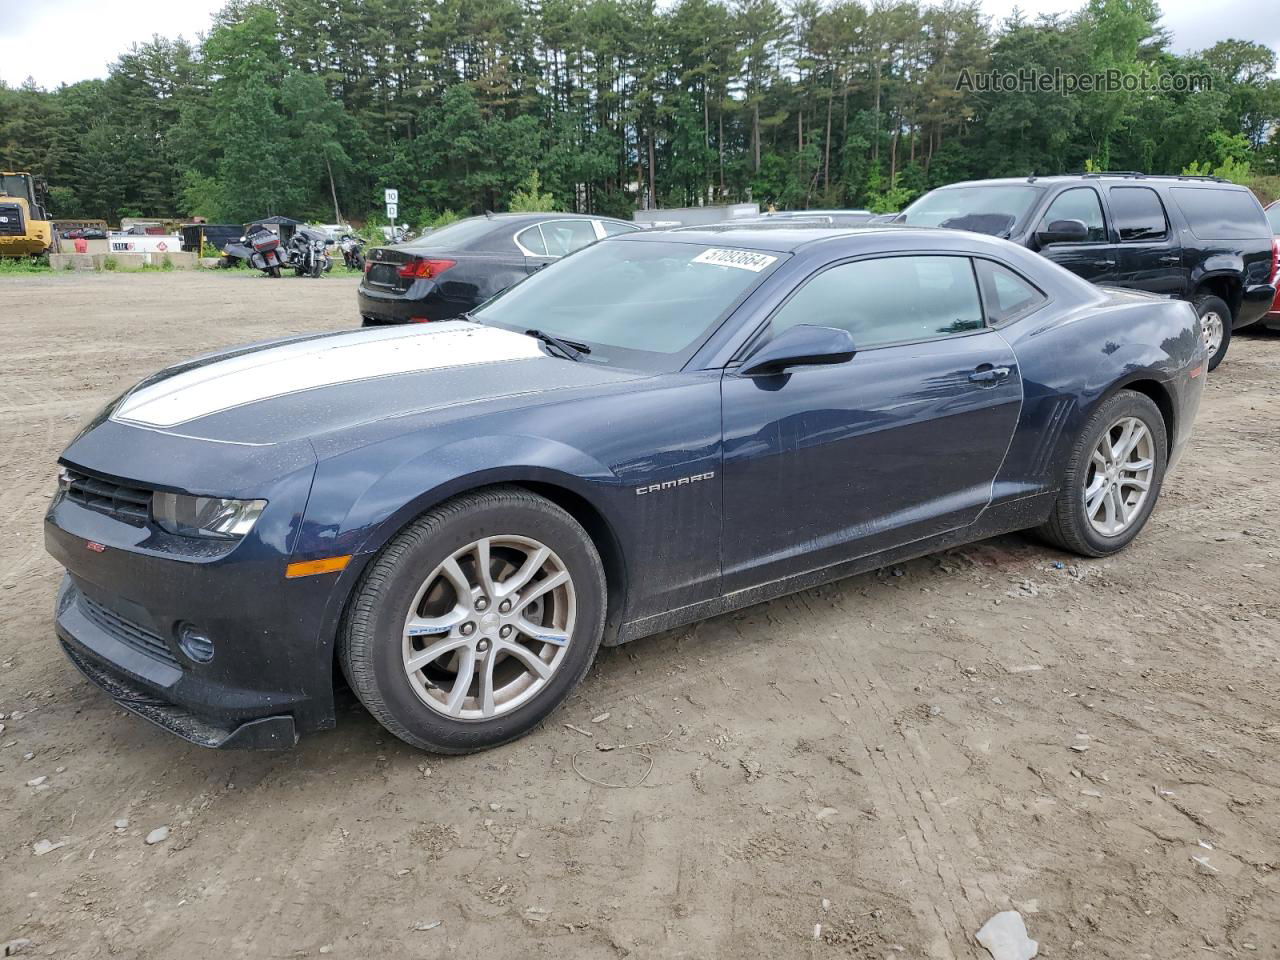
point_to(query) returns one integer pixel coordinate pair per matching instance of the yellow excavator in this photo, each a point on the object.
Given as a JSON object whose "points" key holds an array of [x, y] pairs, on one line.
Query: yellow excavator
{"points": [[25, 230]]}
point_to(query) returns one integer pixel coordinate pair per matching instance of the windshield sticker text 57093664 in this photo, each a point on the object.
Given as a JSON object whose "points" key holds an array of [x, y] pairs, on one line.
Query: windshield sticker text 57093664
{"points": [[742, 259]]}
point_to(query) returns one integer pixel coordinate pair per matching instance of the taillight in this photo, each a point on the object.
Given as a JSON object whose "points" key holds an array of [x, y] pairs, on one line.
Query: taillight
{"points": [[421, 268], [1275, 259], [367, 265]]}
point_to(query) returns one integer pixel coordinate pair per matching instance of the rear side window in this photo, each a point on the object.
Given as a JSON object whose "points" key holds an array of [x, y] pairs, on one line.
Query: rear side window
{"points": [[531, 239], [889, 300], [1008, 296], [1221, 214], [1079, 203], [562, 237], [612, 228], [1273, 218], [1138, 213]]}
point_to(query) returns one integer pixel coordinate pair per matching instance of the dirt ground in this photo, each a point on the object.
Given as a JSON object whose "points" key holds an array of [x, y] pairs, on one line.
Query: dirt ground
{"points": [[870, 769]]}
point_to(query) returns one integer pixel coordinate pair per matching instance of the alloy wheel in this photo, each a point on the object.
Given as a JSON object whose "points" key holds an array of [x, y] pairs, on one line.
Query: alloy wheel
{"points": [[1121, 469], [1211, 329], [489, 627]]}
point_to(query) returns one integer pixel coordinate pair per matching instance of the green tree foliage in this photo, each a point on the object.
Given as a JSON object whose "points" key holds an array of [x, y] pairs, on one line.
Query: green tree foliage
{"points": [[529, 198], [311, 107]]}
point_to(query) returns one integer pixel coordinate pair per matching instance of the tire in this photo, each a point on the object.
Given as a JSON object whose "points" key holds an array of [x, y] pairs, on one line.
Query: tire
{"points": [[1209, 306], [377, 643], [1070, 525], [274, 273]]}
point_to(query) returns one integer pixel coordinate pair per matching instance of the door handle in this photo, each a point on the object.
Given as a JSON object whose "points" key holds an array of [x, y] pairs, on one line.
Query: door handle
{"points": [[1171, 259], [1104, 263], [990, 375]]}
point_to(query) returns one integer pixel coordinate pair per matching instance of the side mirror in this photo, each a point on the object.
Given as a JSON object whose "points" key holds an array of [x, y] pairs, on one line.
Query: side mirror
{"points": [[1063, 231], [799, 346]]}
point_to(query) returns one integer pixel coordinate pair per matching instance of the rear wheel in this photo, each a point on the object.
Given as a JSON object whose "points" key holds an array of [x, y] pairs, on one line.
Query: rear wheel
{"points": [[1113, 478], [1215, 326], [476, 621]]}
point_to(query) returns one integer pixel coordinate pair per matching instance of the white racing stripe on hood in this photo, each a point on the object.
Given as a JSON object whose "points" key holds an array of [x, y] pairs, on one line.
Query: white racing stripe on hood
{"points": [[292, 367]]}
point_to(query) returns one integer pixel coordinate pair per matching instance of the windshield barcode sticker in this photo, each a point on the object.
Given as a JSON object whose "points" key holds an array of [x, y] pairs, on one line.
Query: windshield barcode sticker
{"points": [[742, 259]]}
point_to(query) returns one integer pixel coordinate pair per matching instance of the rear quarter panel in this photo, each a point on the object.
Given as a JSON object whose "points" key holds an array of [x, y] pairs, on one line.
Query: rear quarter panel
{"points": [[1071, 361]]}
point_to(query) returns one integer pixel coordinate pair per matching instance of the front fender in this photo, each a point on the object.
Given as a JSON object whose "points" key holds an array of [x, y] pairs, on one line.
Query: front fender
{"points": [[361, 499]]}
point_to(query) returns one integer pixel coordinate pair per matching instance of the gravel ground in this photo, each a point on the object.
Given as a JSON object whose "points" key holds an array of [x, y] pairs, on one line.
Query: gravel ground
{"points": [[870, 769]]}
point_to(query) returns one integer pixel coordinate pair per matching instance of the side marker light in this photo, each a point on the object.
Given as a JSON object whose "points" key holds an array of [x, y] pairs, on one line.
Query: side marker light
{"points": [[309, 568]]}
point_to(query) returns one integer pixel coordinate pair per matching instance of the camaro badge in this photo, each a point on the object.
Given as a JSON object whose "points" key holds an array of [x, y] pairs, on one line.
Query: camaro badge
{"points": [[94, 546], [672, 484]]}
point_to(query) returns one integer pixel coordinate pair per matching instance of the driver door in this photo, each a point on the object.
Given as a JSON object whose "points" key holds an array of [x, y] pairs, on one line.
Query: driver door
{"points": [[828, 463]]}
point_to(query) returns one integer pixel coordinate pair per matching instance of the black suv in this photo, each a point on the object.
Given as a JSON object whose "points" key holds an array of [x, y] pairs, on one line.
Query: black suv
{"points": [[1202, 239]]}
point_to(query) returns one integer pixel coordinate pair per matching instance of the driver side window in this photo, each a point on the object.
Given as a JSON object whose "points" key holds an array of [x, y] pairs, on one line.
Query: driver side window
{"points": [[1079, 203], [888, 300]]}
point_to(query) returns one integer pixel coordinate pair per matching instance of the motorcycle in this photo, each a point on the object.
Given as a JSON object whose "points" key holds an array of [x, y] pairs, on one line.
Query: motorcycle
{"points": [[260, 248], [352, 251], [308, 254]]}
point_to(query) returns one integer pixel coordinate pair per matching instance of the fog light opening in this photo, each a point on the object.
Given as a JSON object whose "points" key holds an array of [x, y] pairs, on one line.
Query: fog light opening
{"points": [[195, 644]]}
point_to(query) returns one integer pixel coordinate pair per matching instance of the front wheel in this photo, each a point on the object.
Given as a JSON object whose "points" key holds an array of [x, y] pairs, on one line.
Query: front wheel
{"points": [[1215, 327], [475, 621], [1113, 478]]}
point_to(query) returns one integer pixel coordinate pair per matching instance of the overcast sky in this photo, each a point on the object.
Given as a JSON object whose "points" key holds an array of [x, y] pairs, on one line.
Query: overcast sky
{"points": [[62, 41]]}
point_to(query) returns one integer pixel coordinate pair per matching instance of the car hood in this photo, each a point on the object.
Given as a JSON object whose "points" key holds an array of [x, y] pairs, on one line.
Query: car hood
{"points": [[304, 388]]}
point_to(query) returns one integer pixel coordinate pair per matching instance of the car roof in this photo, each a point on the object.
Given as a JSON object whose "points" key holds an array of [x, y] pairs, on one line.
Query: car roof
{"points": [[539, 217], [786, 238], [1156, 178], [834, 211]]}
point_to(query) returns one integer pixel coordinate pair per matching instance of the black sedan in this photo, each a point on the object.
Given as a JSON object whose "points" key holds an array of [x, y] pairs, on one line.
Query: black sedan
{"points": [[660, 428], [450, 271]]}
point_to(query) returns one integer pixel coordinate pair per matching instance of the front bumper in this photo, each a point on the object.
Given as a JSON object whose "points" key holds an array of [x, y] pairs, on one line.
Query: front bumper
{"points": [[269, 733], [119, 658], [130, 591]]}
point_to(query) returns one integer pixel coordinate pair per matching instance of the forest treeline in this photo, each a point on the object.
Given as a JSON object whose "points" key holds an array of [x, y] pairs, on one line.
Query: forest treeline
{"points": [[301, 106]]}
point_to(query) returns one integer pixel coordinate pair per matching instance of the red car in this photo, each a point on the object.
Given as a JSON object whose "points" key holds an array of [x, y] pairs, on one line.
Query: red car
{"points": [[1272, 320]]}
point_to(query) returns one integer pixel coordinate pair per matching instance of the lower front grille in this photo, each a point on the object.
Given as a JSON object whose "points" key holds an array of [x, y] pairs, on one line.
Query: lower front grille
{"points": [[130, 504], [127, 632]]}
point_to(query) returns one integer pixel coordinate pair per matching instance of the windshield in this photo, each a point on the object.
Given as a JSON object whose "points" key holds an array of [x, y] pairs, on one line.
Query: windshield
{"points": [[15, 185], [993, 210], [643, 305]]}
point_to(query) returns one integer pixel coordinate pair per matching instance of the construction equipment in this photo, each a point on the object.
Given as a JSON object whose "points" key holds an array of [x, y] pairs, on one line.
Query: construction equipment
{"points": [[25, 230]]}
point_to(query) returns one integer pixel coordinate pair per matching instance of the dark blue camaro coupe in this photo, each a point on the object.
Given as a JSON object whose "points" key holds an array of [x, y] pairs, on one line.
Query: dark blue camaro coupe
{"points": [[660, 428]]}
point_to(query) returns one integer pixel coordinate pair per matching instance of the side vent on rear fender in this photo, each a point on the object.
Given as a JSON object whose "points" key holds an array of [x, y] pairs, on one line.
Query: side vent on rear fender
{"points": [[1043, 458]]}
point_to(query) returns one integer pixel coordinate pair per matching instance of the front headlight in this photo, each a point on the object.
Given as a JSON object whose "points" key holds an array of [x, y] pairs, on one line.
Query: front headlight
{"points": [[214, 517]]}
